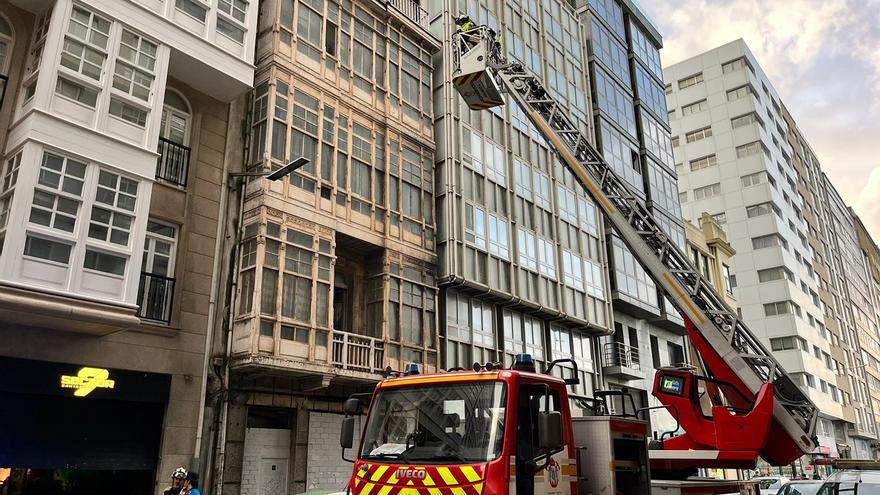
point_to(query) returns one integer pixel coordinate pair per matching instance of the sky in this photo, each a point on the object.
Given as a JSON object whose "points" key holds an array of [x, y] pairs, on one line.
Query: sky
{"points": [[823, 58]]}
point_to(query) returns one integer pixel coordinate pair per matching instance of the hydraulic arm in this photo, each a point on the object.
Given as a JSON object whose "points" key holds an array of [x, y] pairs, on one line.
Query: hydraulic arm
{"points": [[731, 354]]}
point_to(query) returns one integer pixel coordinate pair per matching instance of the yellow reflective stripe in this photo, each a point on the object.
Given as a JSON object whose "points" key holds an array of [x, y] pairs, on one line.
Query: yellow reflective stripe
{"points": [[434, 491], [377, 474], [392, 480], [470, 473], [469, 377], [368, 487], [683, 298], [468, 78], [572, 162], [428, 481], [479, 487], [447, 476], [458, 491], [385, 489]]}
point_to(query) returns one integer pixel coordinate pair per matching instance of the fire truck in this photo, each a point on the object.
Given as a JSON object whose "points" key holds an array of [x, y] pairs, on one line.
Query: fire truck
{"points": [[497, 431]]}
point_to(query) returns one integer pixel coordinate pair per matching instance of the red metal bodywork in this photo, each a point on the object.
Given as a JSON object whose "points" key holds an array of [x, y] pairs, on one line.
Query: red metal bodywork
{"points": [[487, 478], [736, 437]]}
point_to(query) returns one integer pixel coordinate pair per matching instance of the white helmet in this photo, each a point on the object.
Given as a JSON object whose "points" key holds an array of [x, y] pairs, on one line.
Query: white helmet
{"points": [[179, 473]]}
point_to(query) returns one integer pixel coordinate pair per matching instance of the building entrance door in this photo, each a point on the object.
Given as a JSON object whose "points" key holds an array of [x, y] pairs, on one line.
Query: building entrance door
{"points": [[273, 477]]}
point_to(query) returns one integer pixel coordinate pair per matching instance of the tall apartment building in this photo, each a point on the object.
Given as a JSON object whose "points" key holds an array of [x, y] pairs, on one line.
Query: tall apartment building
{"points": [[847, 284], [336, 275], [842, 271], [633, 134], [741, 159], [117, 123], [870, 315]]}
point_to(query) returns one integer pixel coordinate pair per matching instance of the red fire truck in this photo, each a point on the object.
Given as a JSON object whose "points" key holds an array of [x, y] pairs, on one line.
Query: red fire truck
{"points": [[495, 431]]}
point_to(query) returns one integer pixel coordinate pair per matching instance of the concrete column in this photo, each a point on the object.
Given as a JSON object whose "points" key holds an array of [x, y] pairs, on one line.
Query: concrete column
{"points": [[299, 450], [235, 433]]}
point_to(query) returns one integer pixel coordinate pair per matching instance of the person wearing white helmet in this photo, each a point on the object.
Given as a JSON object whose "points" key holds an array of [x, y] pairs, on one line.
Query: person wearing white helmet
{"points": [[177, 479]]}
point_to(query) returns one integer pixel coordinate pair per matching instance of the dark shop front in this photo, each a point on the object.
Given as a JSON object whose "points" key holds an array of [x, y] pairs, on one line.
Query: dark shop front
{"points": [[78, 428]]}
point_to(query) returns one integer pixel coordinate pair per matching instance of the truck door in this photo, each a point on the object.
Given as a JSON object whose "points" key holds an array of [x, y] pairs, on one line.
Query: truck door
{"points": [[548, 481]]}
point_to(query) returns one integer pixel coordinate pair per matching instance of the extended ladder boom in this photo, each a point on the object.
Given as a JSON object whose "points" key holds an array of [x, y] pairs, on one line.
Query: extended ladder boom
{"points": [[727, 347]]}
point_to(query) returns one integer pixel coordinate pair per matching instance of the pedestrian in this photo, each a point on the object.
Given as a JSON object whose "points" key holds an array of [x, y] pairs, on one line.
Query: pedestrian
{"points": [[191, 484], [177, 478]]}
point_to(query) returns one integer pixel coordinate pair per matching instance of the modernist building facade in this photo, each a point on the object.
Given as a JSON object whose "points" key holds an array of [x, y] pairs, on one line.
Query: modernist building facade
{"points": [[116, 126], [521, 254], [633, 134], [742, 160]]}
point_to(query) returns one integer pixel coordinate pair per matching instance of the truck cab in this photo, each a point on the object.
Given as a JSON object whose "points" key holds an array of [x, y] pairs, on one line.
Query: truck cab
{"points": [[489, 431]]}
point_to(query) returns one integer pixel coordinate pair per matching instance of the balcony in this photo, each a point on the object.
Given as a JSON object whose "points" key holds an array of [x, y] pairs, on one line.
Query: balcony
{"points": [[621, 361], [155, 295], [411, 10], [173, 162], [860, 430], [357, 352], [670, 318]]}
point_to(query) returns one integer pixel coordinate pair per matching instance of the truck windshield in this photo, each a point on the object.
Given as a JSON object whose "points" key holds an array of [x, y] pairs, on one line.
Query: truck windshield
{"points": [[462, 422]]}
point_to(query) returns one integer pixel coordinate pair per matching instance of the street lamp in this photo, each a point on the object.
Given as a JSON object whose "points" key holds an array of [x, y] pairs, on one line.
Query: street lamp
{"points": [[238, 398], [277, 174]]}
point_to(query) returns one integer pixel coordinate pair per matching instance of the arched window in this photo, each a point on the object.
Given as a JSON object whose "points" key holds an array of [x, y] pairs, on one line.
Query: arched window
{"points": [[176, 117], [5, 44], [174, 138]]}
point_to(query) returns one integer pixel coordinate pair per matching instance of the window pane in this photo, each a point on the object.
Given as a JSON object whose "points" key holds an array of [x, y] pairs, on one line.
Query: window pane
{"points": [[104, 262], [47, 250]]}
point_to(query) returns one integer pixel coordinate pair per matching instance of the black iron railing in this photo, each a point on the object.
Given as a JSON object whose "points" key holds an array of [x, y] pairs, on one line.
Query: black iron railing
{"points": [[173, 162], [155, 295]]}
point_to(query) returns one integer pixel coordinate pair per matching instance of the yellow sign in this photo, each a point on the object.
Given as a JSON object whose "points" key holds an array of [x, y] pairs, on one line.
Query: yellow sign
{"points": [[86, 380]]}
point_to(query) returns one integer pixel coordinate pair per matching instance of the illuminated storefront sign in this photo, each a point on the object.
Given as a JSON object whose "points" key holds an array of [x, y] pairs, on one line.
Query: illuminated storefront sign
{"points": [[87, 380], [80, 381]]}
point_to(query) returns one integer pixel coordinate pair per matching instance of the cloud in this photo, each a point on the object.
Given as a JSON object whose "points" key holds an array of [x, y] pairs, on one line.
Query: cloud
{"points": [[823, 57]]}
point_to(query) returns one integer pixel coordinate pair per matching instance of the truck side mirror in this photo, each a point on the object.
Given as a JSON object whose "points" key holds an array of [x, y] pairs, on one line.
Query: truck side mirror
{"points": [[346, 435], [550, 430], [352, 407]]}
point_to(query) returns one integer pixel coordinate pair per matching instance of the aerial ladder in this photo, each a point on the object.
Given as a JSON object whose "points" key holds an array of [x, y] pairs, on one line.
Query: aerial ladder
{"points": [[745, 405]]}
